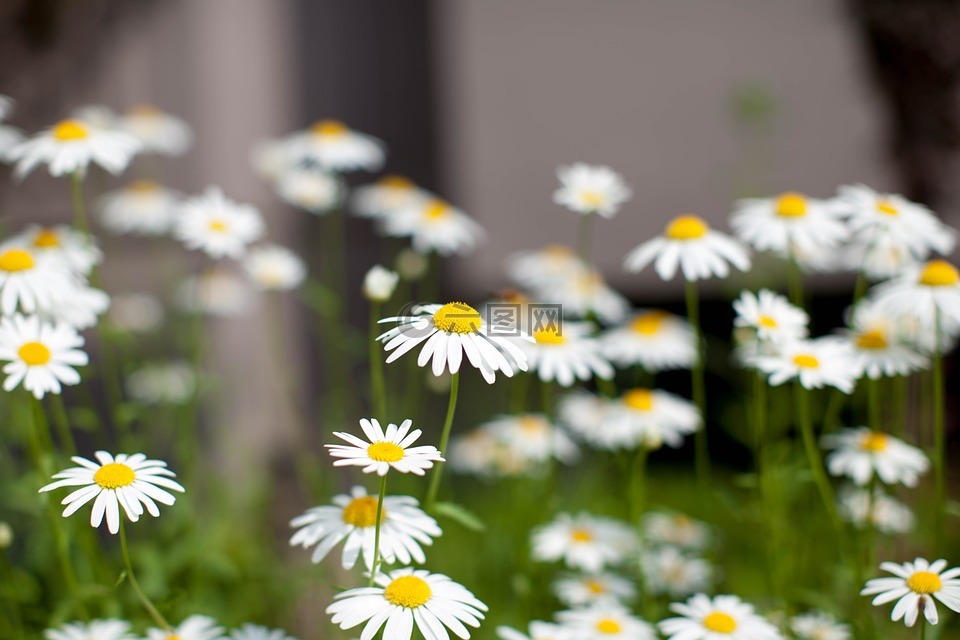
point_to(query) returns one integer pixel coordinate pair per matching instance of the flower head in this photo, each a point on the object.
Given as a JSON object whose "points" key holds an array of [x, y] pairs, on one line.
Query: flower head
{"points": [[583, 542], [333, 146], [310, 189], [70, 145], [704, 618], [40, 356], [140, 208], [386, 196], [667, 570], [379, 283], [275, 268], [566, 355], [652, 338], [258, 632], [384, 450], [915, 586], [788, 224], [216, 225], [605, 621], [859, 453], [587, 189], [434, 225], [193, 628], [926, 292], [593, 588], [817, 625], [771, 315], [815, 363], [97, 629]]}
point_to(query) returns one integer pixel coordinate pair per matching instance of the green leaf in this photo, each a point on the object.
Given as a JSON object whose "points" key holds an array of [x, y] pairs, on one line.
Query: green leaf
{"points": [[459, 514]]}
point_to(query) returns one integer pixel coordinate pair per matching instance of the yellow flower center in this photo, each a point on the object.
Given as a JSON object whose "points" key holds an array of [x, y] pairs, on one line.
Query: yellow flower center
{"points": [[594, 587], [145, 110], [173, 638], [608, 625], [436, 210], [34, 354], [687, 228], [873, 339], [791, 205], [581, 535], [46, 239], [806, 361], [924, 582], [70, 130], [385, 452], [874, 441], [143, 186], [329, 128], [218, 226], [557, 251], [886, 207], [720, 622], [639, 399], [648, 324], [362, 512], [114, 476], [593, 199], [16, 260], [457, 317], [767, 321], [532, 425], [548, 336], [939, 273], [407, 591], [396, 182]]}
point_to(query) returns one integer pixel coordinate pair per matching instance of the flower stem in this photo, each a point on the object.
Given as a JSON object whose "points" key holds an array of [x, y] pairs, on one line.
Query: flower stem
{"points": [[546, 399], [80, 221], [805, 422], [938, 432], [377, 385], [874, 404], [638, 484], [585, 237], [148, 605], [376, 535], [795, 282], [702, 452], [444, 437]]}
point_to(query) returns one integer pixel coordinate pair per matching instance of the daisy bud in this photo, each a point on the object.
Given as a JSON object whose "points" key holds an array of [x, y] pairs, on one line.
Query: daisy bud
{"points": [[379, 283], [6, 535]]}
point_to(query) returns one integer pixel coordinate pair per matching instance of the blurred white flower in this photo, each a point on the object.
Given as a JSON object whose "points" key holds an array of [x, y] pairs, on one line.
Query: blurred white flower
{"points": [[141, 208], [882, 512], [566, 355], [788, 224], [675, 529], [434, 225], [97, 629], [333, 146], [817, 625], [274, 268], [926, 292], [70, 145], [585, 542], [216, 291], [588, 589], [30, 281], [605, 621], [587, 189], [379, 283], [815, 363], [667, 571], [193, 628], [386, 196], [216, 225], [859, 453], [771, 315], [75, 249], [171, 382], [157, 131], [654, 339], [310, 189], [136, 312]]}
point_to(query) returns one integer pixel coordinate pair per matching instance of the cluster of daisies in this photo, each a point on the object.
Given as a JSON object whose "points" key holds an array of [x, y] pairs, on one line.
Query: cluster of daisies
{"points": [[192, 628]]}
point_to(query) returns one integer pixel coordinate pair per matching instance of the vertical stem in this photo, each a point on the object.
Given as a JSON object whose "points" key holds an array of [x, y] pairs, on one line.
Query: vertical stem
{"points": [[900, 389], [519, 391], [585, 237], [638, 484], [62, 423], [873, 406], [377, 385], [702, 452], [80, 221], [376, 535], [923, 626], [860, 288], [805, 422], [795, 282], [546, 398], [938, 433], [148, 605], [445, 436]]}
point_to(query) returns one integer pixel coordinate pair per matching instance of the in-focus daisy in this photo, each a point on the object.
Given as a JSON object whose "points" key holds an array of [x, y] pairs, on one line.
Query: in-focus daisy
{"points": [[406, 598], [788, 224], [384, 450], [333, 146], [157, 131], [216, 291], [171, 382], [310, 189], [70, 145], [537, 631], [448, 333], [818, 625], [258, 632], [404, 528], [915, 586], [75, 249], [434, 225], [386, 196], [859, 453], [675, 529], [39, 355], [771, 315], [666, 570], [193, 628], [688, 243], [926, 292], [132, 482], [29, 281], [584, 294], [816, 363], [274, 268], [704, 618], [590, 189], [379, 283], [216, 225], [566, 355], [95, 630], [141, 208], [589, 589], [654, 339], [882, 512], [584, 542], [605, 621]]}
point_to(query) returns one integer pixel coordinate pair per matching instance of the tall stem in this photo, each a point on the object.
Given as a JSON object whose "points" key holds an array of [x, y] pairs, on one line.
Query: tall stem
{"points": [[546, 398], [376, 534], [444, 437], [805, 422], [378, 387], [585, 237], [80, 221], [874, 402], [131, 576], [795, 282], [637, 485], [938, 433], [702, 452]]}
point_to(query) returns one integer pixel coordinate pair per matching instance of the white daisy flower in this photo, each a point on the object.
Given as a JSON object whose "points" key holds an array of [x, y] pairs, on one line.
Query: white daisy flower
{"points": [[157, 131], [404, 527], [667, 571], [584, 542], [379, 283], [690, 244], [193, 628], [142, 208], [589, 589], [216, 291], [924, 292], [132, 482], [79, 306], [30, 281], [590, 189], [136, 312], [818, 625], [537, 631], [605, 621], [532, 438], [258, 632], [270, 159], [434, 225], [333, 146], [386, 196], [93, 630], [788, 224], [478, 452], [70, 145], [880, 343], [10, 137], [546, 267], [654, 339], [676, 530], [39, 355], [6, 106], [384, 450], [859, 453], [704, 618], [915, 586], [406, 598], [447, 333], [172, 382], [98, 116], [566, 355], [771, 315], [274, 268], [584, 413], [217, 226], [76, 250], [816, 363], [310, 189], [583, 294], [882, 512]]}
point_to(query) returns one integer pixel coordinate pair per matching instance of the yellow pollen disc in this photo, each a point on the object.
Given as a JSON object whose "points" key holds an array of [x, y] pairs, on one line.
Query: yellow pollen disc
{"points": [[143, 186], [939, 273], [173, 638], [767, 321], [557, 251], [457, 317], [639, 399], [396, 182], [385, 452], [649, 323], [874, 441], [362, 512], [16, 260], [606, 625], [512, 295], [805, 361], [791, 205], [70, 130], [46, 239], [581, 535], [924, 582], [592, 199], [532, 425], [145, 110], [687, 228], [218, 225], [594, 587], [548, 336], [886, 207], [436, 210], [34, 354], [114, 475], [407, 591], [873, 339], [329, 128], [720, 622]]}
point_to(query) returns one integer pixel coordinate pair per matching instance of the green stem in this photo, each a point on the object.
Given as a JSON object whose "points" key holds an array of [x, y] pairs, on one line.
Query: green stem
{"points": [[939, 441], [795, 282], [702, 451], [519, 391], [805, 422], [638, 484], [62, 424], [900, 389], [585, 237], [444, 437], [377, 385], [860, 289], [80, 221], [546, 399], [606, 386], [376, 535], [923, 627], [874, 404], [131, 576]]}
